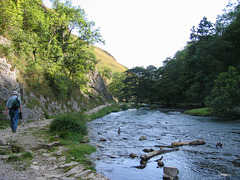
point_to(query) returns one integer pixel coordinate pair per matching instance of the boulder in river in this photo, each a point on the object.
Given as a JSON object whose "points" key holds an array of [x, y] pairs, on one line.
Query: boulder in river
{"points": [[160, 163], [148, 150], [170, 173], [133, 155], [102, 139], [142, 138]]}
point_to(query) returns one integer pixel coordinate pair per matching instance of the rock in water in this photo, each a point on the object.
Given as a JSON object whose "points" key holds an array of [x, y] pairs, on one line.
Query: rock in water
{"points": [[142, 138], [133, 155], [160, 163], [170, 173]]}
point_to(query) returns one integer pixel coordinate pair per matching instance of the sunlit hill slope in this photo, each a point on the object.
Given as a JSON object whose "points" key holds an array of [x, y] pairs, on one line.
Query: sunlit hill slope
{"points": [[107, 60]]}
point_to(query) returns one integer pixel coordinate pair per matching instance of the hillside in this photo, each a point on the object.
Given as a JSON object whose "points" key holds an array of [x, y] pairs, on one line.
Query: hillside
{"points": [[107, 60], [53, 71]]}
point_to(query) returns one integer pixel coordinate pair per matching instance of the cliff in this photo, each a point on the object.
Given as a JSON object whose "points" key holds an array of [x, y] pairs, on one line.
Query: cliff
{"points": [[37, 106]]}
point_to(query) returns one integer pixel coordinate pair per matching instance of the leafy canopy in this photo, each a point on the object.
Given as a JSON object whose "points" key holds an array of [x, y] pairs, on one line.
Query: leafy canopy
{"points": [[43, 40]]}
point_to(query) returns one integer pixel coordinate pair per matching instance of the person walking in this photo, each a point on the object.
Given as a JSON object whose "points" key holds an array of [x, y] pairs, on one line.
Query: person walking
{"points": [[13, 110]]}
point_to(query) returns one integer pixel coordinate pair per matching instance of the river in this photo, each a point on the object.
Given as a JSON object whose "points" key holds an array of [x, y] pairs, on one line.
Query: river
{"points": [[162, 127]]}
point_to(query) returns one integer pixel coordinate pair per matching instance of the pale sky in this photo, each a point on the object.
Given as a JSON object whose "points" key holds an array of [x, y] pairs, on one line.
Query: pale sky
{"points": [[146, 32]]}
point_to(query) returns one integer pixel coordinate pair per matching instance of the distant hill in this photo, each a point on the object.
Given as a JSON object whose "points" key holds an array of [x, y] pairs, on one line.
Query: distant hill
{"points": [[107, 60]]}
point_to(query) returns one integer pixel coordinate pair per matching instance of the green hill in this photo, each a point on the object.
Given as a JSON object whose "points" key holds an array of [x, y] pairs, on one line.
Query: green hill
{"points": [[107, 60]]}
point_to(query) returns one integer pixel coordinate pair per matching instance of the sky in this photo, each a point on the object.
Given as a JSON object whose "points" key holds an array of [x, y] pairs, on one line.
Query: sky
{"points": [[146, 32]]}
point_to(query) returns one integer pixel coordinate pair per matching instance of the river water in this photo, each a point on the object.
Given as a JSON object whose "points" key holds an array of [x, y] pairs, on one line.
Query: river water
{"points": [[162, 127]]}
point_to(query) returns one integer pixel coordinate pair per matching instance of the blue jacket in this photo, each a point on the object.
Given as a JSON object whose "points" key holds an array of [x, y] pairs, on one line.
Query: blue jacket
{"points": [[10, 101]]}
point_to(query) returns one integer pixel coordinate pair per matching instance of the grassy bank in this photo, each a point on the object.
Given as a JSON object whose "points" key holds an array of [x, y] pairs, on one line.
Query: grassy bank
{"points": [[104, 111], [199, 112], [71, 131]]}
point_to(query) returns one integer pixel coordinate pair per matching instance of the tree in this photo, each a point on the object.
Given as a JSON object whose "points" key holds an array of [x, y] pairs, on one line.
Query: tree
{"points": [[44, 42], [116, 87], [205, 29], [105, 73], [225, 95], [11, 17]]}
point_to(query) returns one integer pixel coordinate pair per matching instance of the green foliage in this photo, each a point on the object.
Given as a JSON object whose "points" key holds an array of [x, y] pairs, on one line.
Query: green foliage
{"points": [[79, 152], [225, 95], [5, 51], [153, 106], [105, 72], [68, 137], [16, 149], [117, 85], [104, 111], [27, 155], [33, 103], [13, 158], [4, 122], [72, 123], [199, 112], [47, 54], [124, 107], [22, 157], [46, 114], [10, 18]]}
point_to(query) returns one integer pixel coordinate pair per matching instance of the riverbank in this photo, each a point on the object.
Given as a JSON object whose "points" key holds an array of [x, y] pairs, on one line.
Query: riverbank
{"points": [[199, 112], [46, 158]]}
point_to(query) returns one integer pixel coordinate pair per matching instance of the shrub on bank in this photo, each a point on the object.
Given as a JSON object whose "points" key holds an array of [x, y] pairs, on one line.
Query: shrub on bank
{"points": [[124, 107], [72, 123]]}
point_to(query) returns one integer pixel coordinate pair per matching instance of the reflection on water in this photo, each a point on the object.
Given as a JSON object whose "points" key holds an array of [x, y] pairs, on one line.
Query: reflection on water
{"points": [[162, 128]]}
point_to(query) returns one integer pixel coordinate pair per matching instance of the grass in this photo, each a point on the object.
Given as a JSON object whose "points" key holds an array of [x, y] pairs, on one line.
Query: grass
{"points": [[80, 152], [107, 60], [22, 157], [4, 122], [199, 112], [103, 112], [71, 128]]}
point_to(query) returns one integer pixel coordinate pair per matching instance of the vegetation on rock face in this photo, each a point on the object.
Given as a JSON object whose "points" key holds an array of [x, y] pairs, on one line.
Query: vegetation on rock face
{"points": [[50, 59], [205, 72]]}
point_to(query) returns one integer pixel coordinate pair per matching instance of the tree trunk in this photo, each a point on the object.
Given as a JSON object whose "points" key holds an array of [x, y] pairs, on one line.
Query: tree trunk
{"points": [[197, 142], [148, 156]]}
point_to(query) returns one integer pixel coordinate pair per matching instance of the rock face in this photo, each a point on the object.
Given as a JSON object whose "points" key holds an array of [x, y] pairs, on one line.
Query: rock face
{"points": [[9, 82], [98, 85]]}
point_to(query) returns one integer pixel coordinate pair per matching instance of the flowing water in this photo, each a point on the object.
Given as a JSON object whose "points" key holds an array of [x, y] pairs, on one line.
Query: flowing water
{"points": [[162, 127]]}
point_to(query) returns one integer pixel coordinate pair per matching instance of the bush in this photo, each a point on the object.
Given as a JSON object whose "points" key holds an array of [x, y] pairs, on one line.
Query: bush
{"points": [[69, 122], [153, 106], [124, 107], [4, 122]]}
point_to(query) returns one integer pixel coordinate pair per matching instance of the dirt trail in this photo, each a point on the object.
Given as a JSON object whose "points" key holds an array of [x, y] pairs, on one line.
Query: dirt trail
{"points": [[45, 165]]}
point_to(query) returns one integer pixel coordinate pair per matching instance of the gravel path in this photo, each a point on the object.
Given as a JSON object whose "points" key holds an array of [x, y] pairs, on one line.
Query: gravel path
{"points": [[45, 165]]}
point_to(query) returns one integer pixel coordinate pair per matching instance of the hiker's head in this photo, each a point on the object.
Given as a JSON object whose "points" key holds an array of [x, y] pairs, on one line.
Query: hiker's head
{"points": [[15, 93]]}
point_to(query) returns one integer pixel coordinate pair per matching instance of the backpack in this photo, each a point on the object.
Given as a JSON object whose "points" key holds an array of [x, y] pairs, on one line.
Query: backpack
{"points": [[15, 104]]}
